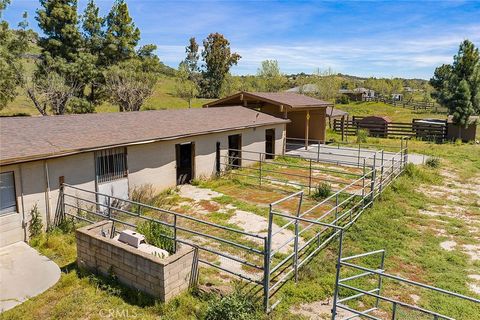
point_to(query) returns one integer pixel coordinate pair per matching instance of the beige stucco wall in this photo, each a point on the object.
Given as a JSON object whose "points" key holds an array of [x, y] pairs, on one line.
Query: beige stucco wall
{"points": [[155, 163], [152, 163], [31, 177]]}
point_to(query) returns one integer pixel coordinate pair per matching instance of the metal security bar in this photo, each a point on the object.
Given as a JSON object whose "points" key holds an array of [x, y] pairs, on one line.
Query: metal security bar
{"points": [[111, 164], [379, 275]]}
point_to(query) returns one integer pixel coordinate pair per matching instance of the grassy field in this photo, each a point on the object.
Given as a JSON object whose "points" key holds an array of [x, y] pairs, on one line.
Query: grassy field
{"points": [[397, 114], [162, 98], [422, 211]]}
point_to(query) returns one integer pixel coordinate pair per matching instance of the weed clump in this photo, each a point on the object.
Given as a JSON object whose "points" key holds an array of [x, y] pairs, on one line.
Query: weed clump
{"points": [[322, 191], [235, 306], [362, 136], [158, 235], [433, 162], [36, 225]]}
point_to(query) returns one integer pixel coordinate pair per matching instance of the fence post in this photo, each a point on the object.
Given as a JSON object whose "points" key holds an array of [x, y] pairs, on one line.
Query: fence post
{"points": [[295, 244], [358, 158], [381, 175], [337, 276], [374, 176], [394, 310], [318, 152], [62, 204], [382, 265], [260, 178], [363, 182], [174, 233], [310, 178], [109, 208], [336, 208], [266, 261]]}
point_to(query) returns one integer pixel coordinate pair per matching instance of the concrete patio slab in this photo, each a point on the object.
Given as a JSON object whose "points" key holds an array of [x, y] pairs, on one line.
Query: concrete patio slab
{"points": [[24, 273], [346, 155]]}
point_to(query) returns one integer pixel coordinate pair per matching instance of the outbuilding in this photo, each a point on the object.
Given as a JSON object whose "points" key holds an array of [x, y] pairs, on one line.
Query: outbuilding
{"points": [[307, 115], [465, 133], [113, 153]]}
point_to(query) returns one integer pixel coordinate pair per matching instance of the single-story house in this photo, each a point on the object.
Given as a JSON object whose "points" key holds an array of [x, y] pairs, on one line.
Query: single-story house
{"points": [[113, 153], [307, 115], [359, 94]]}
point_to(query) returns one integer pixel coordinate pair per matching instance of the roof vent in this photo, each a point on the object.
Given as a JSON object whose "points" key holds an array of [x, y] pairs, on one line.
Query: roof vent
{"points": [[131, 238]]}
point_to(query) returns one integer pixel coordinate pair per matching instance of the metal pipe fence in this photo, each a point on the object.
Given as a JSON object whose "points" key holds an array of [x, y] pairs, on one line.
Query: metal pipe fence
{"points": [[242, 250], [255, 258], [376, 293]]}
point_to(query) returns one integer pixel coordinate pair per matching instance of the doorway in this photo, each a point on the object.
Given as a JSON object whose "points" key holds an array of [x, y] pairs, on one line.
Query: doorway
{"points": [[270, 143], [234, 151], [185, 153]]}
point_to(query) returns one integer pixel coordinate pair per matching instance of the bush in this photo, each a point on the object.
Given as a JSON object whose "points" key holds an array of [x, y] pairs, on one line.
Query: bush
{"points": [[36, 226], [158, 235], [343, 99], [433, 162], [362, 135], [235, 306], [322, 191]]}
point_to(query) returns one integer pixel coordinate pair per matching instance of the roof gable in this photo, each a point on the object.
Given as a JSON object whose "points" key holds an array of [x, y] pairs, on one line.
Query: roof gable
{"points": [[288, 99]]}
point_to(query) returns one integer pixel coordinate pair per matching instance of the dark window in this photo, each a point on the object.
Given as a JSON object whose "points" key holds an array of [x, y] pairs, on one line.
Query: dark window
{"points": [[8, 198], [235, 151], [111, 164]]}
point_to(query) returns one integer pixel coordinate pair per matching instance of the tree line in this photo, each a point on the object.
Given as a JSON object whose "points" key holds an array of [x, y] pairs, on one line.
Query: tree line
{"points": [[457, 85]]}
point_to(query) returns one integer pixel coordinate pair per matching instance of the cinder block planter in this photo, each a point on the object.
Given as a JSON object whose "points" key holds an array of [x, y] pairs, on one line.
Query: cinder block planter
{"points": [[160, 277]]}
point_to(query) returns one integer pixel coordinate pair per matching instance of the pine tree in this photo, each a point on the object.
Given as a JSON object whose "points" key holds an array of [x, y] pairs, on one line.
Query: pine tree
{"points": [[218, 60], [461, 104], [191, 61], [453, 83], [58, 20], [92, 28], [121, 36]]}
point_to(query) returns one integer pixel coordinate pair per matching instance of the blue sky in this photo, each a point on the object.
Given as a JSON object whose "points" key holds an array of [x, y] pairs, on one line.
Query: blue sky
{"points": [[382, 39]]}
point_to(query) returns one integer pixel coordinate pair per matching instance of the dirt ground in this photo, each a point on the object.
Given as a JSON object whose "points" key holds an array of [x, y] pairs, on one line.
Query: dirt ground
{"points": [[459, 200]]}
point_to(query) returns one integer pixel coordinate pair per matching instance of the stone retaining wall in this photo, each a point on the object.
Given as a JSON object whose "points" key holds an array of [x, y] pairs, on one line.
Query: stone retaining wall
{"points": [[162, 278]]}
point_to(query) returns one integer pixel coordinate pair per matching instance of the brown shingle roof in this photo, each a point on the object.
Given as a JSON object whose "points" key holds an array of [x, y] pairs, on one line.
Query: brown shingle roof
{"points": [[289, 99], [32, 138]]}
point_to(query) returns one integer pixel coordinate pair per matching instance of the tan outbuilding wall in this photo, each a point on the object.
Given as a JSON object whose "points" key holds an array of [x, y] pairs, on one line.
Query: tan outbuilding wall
{"points": [[316, 130], [150, 163]]}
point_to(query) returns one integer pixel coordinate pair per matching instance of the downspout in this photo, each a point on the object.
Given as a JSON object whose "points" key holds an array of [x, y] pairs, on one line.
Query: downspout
{"points": [[24, 222], [47, 193]]}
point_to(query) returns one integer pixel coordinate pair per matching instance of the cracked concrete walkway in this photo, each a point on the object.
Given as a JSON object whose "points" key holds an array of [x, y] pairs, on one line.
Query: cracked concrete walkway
{"points": [[24, 273]]}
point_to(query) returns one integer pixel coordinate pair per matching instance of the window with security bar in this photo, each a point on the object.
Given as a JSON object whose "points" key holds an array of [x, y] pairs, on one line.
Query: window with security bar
{"points": [[111, 164]]}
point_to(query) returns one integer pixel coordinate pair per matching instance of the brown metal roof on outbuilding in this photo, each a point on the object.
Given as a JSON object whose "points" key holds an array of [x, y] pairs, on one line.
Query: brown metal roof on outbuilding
{"points": [[33, 138], [332, 112], [288, 99]]}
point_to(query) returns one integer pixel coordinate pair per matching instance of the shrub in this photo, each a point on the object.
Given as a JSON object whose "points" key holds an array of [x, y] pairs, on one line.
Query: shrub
{"points": [[433, 162], [36, 226], [158, 235], [235, 306], [362, 135], [322, 191], [343, 99]]}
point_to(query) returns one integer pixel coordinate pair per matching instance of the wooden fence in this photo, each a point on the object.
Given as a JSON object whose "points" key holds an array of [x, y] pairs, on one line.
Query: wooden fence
{"points": [[417, 129], [415, 105]]}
